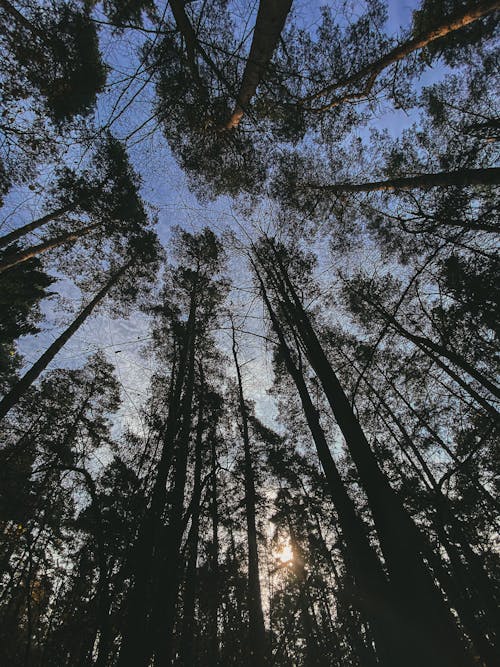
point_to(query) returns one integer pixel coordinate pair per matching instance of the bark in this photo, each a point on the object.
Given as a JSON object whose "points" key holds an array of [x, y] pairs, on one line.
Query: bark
{"points": [[468, 587], [312, 655], [16, 258], [375, 599], [402, 544], [29, 614], [137, 646], [269, 25], [187, 647], [21, 387], [36, 224], [462, 177], [372, 70], [214, 563], [165, 598], [257, 650]]}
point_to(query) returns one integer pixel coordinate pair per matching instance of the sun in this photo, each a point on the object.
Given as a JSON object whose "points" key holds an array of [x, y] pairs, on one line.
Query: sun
{"points": [[285, 553]]}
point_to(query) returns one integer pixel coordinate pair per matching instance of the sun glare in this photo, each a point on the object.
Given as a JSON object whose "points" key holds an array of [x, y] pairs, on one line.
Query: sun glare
{"points": [[285, 553]]}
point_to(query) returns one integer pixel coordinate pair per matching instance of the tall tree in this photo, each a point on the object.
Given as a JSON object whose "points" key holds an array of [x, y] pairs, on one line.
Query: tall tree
{"points": [[389, 515], [152, 600], [445, 24], [257, 633], [106, 195], [137, 265], [56, 51]]}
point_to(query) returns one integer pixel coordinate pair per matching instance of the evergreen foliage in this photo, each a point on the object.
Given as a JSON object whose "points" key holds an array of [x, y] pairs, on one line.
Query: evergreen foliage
{"points": [[249, 394]]}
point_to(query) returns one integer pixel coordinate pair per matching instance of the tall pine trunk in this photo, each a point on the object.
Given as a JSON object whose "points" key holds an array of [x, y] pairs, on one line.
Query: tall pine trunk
{"points": [[375, 597], [425, 344], [461, 177], [257, 649], [22, 256], [169, 562], [20, 388], [36, 224], [471, 13], [269, 25], [137, 637], [432, 635], [187, 645], [213, 631], [313, 649], [471, 596]]}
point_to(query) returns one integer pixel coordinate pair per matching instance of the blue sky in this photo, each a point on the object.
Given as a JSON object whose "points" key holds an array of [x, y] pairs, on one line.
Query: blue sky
{"points": [[165, 189]]}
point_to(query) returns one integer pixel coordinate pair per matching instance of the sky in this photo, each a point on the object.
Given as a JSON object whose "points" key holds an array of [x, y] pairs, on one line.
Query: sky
{"points": [[165, 189]]}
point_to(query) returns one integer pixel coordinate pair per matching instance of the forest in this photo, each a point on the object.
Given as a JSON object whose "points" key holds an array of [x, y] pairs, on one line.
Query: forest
{"points": [[249, 333]]}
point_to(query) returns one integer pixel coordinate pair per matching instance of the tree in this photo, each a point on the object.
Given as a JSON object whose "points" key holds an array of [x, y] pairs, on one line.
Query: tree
{"points": [[156, 574], [435, 350], [378, 490], [137, 265], [287, 454], [107, 194], [65, 420], [22, 290], [206, 85], [466, 177], [267, 32], [56, 52], [257, 634], [446, 23]]}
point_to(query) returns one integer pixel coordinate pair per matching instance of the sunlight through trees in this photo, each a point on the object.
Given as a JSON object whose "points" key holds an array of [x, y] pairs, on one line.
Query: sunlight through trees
{"points": [[249, 333]]}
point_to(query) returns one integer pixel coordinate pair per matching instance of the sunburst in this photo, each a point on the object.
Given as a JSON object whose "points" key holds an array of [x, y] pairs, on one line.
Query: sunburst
{"points": [[285, 553]]}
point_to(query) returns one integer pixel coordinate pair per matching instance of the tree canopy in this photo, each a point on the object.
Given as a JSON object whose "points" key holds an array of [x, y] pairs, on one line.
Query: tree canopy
{"points": [[249, 333]]}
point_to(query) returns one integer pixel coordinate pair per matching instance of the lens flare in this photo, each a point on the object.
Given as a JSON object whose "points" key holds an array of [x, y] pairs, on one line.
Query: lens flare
{"points": [[285, 553]]}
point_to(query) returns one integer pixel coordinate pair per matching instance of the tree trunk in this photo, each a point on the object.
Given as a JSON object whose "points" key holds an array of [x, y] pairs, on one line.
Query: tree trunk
{"points": [[20, 388], [16, 258], [187, 646], [469, 15], [165, 598], [443, 179], [214, 565], [192, 45], [137, 645], [469, 595], [257, 649], [313, 649], [492, 411], [187, 31], [422, 342], [402, 544], [269, 25], [22, 20], [375, 599], [437, 438], [345, 599], [36, 224], [103, 595]]}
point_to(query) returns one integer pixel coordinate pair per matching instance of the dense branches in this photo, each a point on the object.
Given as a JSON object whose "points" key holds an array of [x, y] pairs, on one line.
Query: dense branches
{"points": [[265, 434]]}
